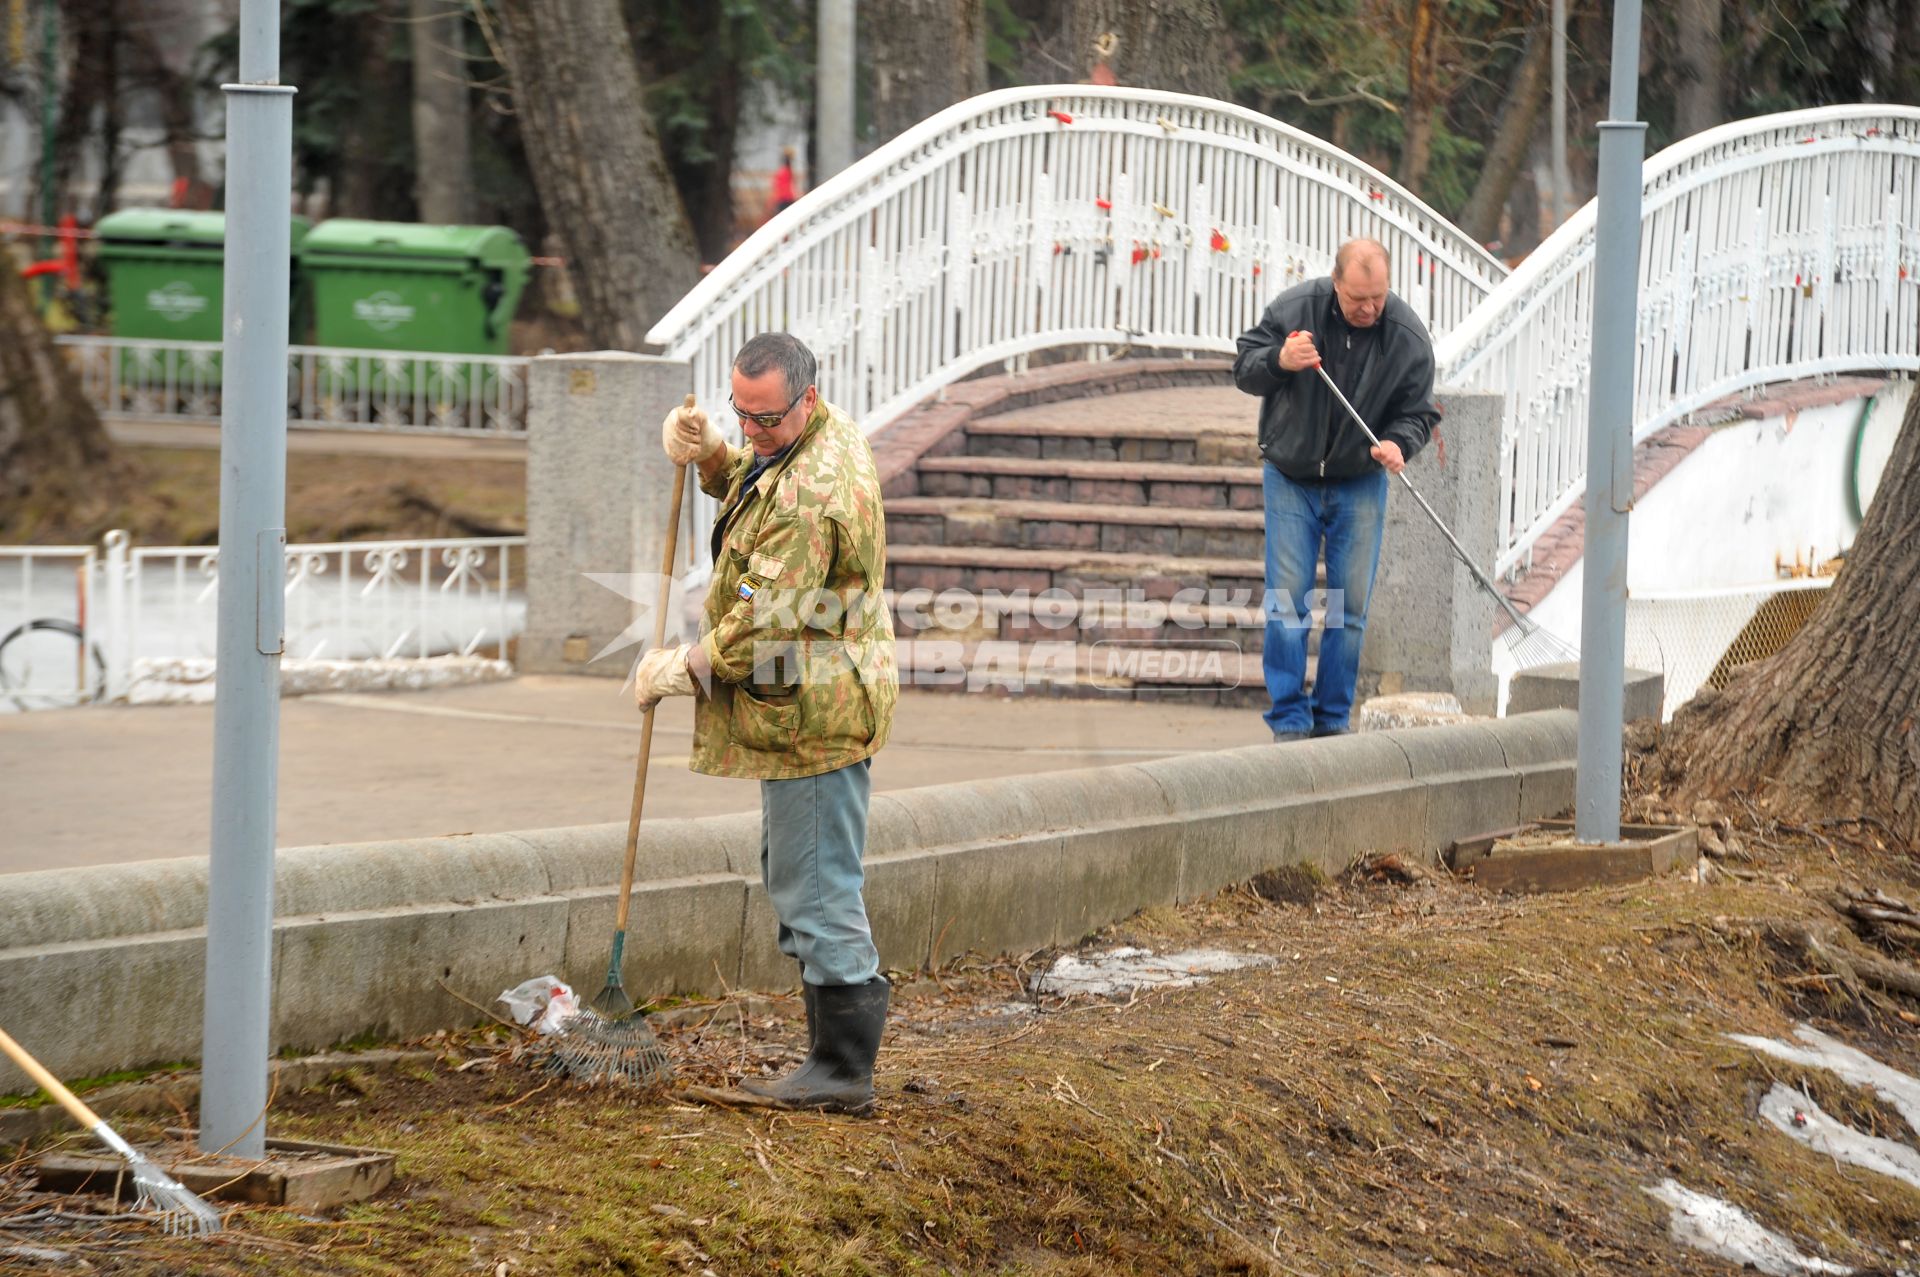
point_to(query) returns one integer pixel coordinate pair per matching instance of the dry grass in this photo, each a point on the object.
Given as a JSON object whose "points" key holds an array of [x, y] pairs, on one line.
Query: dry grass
{"points": [[1430, 1081]]}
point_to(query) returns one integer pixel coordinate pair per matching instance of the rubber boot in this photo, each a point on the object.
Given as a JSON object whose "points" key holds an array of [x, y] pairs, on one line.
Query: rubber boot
{"points": [[809, 994], [837, 1075]]}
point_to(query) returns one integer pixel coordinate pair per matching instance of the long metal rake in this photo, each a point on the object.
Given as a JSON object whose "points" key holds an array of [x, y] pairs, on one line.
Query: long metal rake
{"points": [[612, 1042], [1529, 643], [180, 1211]]}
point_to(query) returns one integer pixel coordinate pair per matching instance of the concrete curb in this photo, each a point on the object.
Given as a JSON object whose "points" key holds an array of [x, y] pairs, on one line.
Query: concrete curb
{"points": [[103, 967]]}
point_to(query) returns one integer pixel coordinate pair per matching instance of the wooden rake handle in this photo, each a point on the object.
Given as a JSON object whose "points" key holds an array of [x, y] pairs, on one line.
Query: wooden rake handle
{"points": [[646, 720], [38, 1072]]}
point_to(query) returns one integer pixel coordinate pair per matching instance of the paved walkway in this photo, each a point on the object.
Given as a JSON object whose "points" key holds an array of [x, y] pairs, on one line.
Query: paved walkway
{"points": [[102, 785]]}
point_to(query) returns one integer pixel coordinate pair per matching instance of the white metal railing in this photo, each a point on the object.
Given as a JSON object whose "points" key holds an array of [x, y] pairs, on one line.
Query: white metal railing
{"points": [[1776, 248], [327, 387], [75, 622], [47, 657], [348, 600], [1058, 215]]}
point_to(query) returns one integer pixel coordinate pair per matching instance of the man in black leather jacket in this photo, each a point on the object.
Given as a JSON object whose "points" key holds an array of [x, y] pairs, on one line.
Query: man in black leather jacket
{"points": [[1325, 485]]}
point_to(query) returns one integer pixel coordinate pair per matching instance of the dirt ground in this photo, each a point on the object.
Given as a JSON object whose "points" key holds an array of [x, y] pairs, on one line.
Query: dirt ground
{"points": [[330, 497], [1428, 1080]]}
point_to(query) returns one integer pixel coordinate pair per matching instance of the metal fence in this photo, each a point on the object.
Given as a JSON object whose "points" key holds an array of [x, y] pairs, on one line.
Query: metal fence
{"points": [[47, 658], [1772, 249], [1698, 638], [75, 622], [327, 387]]}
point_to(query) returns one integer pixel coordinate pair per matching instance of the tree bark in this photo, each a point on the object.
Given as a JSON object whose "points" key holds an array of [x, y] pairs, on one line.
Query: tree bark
{"points": [[443, 151], [92, 29], [171, 81], [1826, 727], [927, 55], [1699, 106], [1512, 138], [597, 162], [1423, 95], [1178, 45], [58, 474]]}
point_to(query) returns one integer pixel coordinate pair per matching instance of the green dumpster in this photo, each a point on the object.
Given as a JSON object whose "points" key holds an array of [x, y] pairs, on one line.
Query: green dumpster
{"points": [[165, 270], [400, 286], [165, 274]]}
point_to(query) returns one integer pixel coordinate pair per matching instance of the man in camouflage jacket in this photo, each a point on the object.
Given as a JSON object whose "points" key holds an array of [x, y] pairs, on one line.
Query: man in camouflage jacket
{"points": [[796, 665]]}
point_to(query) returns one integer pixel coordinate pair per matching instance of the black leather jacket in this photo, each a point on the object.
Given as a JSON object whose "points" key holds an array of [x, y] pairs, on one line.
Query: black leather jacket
{"points": [[1303, 432]]}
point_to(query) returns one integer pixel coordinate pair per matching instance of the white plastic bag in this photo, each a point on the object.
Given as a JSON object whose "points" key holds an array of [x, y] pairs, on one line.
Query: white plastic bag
{"points": [[545, 1001]]}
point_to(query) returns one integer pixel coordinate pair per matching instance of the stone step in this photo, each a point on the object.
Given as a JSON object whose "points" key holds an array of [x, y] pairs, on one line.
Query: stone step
{"points": [[1191, 674], [1072, 525], [969, 618], [1091, 436], [981, 567], [1160, 483]]}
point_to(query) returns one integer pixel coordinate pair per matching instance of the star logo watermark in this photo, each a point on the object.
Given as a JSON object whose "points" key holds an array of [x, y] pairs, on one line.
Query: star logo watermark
{"points": [[642, 589]]}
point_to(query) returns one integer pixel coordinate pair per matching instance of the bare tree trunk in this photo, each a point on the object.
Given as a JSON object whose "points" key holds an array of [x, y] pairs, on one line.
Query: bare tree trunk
{"points": [[1423, 95], [93, 29], [371, 176], [1904, 53], [927, 55], [171, 81], [1699, 107], [443, 152], [1512, 139], [1826, 727], [597, 162], [57, 470], [1179, 45]]}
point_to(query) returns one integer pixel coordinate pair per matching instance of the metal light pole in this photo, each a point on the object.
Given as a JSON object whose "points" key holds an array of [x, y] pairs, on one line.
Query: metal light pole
{"points": [[1603, 615], [253, 537], [833, 89]]}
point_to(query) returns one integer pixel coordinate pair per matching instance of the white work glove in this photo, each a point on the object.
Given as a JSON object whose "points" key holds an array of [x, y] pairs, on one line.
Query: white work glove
{"points": [[662, 672], [688, 436]]}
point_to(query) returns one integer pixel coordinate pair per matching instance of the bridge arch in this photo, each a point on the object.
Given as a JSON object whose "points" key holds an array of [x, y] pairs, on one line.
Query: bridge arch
{"points": [[1058, 215], [1772, 249]]}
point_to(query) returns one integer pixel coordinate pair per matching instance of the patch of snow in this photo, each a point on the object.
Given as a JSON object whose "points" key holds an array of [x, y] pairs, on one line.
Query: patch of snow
{"points": [[1125, 970], [190, 681], [1901, 1090], [1721, 1228], [1798, 1117]]}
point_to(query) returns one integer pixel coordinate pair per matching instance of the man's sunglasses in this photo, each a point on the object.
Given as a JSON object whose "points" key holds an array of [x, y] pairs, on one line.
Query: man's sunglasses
{"points": [[765, 420]]}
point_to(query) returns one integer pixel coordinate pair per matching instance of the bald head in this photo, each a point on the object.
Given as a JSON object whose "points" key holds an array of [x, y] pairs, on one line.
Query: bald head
{"points": [[1360, 281], [1369, 254]]}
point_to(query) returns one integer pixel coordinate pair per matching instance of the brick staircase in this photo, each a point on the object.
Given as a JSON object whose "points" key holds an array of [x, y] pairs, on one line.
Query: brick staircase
{"points": [[1138, 515]]}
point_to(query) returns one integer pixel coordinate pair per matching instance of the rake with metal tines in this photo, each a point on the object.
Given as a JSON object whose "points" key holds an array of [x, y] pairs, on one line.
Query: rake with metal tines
{"points": [[612, 1042], [180, 1211], [1527, 642]]}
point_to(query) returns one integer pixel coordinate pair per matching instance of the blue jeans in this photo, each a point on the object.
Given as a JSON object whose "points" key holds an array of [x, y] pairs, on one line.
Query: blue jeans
{"points": [[1348, 516], [813, 830]]}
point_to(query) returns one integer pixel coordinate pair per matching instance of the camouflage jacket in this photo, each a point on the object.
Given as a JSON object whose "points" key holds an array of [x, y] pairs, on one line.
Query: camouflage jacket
{"points": [[795, 627]]}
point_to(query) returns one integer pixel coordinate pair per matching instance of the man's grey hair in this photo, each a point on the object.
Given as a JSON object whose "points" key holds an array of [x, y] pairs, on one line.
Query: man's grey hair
{"points": [[784, 351]]}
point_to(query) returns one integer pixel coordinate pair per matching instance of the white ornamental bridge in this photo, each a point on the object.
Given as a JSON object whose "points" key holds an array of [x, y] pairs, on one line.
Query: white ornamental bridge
{"points": [[1772, 249]]}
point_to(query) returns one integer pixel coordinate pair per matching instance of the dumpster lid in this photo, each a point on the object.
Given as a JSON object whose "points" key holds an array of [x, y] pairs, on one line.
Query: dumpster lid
{"points": [[173, 226], [496, 246]]}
